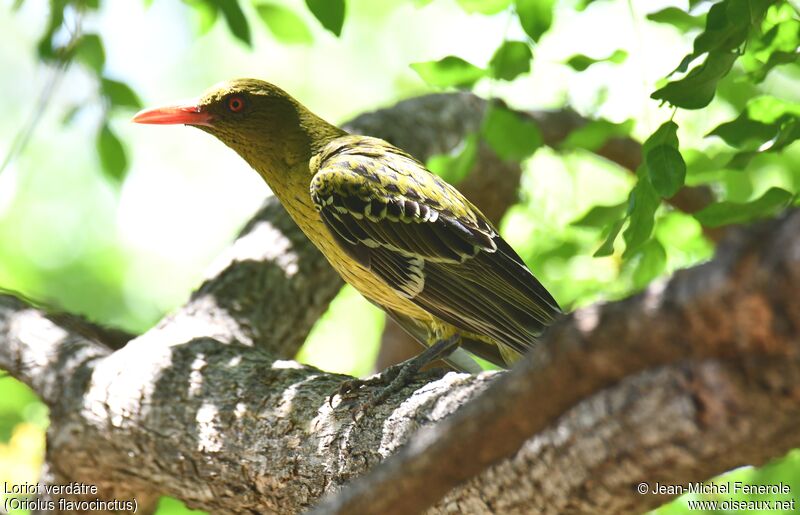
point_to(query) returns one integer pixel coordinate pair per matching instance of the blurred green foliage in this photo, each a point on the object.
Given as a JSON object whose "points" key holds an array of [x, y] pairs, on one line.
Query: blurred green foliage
{"points": [[580, 62], [99, 229], [448, 72]]}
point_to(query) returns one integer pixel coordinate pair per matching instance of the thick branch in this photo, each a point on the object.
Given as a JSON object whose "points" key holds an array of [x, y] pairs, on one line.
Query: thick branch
{"points": [[40, 353], [677, 424], [228, 429]]}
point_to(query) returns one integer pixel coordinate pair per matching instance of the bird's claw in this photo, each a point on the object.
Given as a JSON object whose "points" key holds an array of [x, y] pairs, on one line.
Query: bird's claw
{"points": [[348, 389], [390, 381]]}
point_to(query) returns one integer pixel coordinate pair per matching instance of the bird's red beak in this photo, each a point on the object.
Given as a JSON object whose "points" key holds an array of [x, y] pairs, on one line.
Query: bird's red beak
{"points": [[187, 114]]}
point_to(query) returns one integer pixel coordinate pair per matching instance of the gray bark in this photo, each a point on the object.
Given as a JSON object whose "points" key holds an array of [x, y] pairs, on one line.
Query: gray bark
{"points": [[613, 394]]}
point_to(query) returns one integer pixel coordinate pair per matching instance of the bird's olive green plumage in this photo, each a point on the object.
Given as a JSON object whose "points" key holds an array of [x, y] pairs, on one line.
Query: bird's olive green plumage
{"points": [[402, 236]]}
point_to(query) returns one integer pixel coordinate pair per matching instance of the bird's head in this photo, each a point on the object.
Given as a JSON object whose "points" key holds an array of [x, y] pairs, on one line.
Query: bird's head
{"points": [[260, 121]]}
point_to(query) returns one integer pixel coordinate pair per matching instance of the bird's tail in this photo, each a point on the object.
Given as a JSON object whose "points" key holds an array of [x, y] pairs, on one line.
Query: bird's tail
{"points": [[509, 354]]}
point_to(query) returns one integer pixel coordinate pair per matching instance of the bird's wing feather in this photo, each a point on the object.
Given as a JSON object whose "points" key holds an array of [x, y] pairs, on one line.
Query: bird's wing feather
{"points": [[427, 241]]}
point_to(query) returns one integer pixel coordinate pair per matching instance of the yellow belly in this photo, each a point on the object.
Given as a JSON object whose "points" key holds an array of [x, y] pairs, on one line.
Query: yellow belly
{"points": [[363, 280]]}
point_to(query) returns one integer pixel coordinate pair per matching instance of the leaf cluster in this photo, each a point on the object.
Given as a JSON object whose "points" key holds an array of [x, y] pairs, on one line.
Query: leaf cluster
{"points": [[744, 39]]}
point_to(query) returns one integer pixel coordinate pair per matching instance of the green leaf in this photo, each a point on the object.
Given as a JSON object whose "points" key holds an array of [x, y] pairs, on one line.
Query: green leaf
{"points": [[651, 261], [726, 27], [697, 89], [512, 136], [511, 59], [484, 6], [666, 134], [580, 62], [677, 18], [727, 213], [777, 46], [112, 153], [789, 133], [89, 51], [607, 248], [642, 205], [535, 16], [119, 94], [601, 216], [776, 58], [285, 24], [235, 18], [684, 64], [450, 71], [744, 132], [767, 124], [45, 47], [454, 168], [666, 169], [595, 134], [330, 14]]}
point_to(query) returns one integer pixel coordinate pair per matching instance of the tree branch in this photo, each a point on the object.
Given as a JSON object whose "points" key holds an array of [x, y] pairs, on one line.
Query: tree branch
{"points": [[674, 425], [682, 374]]}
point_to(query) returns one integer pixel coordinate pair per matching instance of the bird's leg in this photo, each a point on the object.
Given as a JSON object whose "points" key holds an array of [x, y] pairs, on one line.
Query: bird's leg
{"points": [[397, 376]]}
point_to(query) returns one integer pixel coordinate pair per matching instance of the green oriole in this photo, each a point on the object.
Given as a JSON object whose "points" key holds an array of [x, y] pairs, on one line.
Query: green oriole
{"points": [[403, 237]]}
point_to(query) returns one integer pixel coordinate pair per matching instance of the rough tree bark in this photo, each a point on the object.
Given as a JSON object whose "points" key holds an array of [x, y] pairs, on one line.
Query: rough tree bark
{"points": [[202, 407], [671, 385]]}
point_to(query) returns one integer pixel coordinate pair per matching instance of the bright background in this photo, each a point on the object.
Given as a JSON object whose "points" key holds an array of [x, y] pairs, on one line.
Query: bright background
{"points": [[125, 253]]}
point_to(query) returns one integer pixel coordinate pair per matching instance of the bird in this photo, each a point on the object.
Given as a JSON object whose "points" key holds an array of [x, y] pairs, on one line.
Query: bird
{"points": [[402, 236]]}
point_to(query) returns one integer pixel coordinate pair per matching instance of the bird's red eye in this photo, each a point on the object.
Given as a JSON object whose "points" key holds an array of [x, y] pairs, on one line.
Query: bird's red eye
{"points": [[235, 104]]}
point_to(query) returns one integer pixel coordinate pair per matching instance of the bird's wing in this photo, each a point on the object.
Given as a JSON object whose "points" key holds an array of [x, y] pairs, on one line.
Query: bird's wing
{"points": [[428, 242]]}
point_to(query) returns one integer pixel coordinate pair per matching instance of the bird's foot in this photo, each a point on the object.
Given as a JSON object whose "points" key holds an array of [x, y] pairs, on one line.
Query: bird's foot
{"points": [[404, 374], [393, 379], [349, 389]]}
